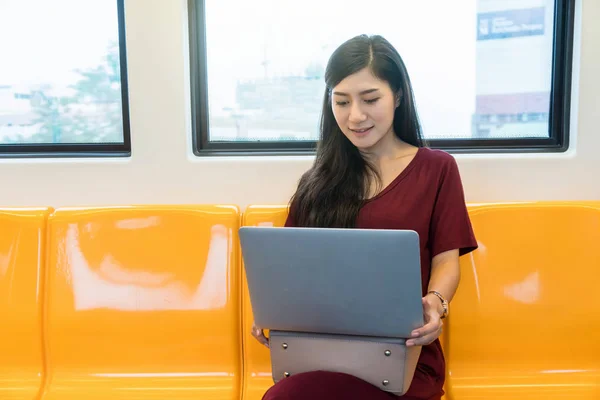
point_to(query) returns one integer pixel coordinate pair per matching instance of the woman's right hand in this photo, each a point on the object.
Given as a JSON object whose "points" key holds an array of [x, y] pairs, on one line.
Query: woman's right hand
{"points": [[259, 335]]}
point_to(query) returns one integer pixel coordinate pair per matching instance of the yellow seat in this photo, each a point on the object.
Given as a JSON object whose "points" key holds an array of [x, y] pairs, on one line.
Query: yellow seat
{"points": [[525, 322], [257, 360], [143, 302], [22, 242]]}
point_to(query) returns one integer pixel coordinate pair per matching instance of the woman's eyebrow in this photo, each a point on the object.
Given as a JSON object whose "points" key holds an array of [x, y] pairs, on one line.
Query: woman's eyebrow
{"points": [[363, 92]]}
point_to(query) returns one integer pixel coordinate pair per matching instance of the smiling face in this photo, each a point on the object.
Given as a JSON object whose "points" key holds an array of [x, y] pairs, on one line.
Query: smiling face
{"points": [[363, 107]]}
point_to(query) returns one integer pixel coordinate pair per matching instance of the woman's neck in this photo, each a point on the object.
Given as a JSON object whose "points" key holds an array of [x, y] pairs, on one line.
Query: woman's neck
{"points": [[389, 148]]}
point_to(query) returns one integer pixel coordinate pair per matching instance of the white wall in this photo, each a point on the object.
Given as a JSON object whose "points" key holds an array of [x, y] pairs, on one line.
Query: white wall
{"points": [[162, 169]]}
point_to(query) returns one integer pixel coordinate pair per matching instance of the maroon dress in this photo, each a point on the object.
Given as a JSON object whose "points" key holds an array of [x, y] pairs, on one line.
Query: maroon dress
{"points": [[427, 197]]}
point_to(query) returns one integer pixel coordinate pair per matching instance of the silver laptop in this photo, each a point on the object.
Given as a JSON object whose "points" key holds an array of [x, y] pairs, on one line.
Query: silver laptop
{"points": [[337, 281]]}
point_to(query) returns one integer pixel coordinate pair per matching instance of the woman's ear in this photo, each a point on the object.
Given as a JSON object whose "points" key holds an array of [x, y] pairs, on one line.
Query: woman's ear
{"points": [[398, 98]]}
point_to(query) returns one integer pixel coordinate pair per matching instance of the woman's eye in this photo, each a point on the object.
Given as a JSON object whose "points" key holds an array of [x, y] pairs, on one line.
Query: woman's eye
{"points": [[371, 101], [341, 103]]}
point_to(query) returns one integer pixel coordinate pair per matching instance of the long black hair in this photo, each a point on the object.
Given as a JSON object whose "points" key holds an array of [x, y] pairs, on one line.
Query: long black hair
{"points": [[332, 192]]}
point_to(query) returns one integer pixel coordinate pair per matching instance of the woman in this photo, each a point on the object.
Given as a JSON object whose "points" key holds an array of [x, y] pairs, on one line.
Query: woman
{"points": [[372, 171]]}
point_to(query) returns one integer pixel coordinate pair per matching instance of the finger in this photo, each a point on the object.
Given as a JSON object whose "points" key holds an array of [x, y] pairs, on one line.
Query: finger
{"points": [[260, 336], [425, 339], [433, 321], [430, 327], [263, 340], [256, 330], [422, 341]]}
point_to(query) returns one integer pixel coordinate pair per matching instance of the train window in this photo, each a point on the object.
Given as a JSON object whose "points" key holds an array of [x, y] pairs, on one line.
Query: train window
{"points": [[488, 75], [63, 87]]}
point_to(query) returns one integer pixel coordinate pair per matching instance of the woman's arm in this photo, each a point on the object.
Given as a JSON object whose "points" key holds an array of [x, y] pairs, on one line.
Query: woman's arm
{"points": [[445, 276]]}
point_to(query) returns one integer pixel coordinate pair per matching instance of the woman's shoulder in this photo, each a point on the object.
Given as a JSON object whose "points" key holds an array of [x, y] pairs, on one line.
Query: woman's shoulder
{"points": [[437, 162], [436, 155]]}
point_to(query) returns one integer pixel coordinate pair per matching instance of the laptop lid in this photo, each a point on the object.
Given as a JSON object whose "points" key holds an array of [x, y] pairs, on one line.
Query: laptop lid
{"points": [[341, 281]]}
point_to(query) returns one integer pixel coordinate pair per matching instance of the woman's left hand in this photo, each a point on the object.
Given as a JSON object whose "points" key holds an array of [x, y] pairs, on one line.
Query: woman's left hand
{"points": [[432, 311]]}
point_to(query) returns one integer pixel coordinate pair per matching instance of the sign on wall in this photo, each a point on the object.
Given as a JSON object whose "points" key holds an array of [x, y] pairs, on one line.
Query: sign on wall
{"points": [[511, 23]]}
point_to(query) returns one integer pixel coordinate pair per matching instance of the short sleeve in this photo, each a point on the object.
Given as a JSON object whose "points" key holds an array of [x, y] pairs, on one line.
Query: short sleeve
{"points": [[450, 223]]}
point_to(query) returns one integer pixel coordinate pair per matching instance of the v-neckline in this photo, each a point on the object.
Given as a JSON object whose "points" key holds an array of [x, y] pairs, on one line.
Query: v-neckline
{"points": [[398, 178]]}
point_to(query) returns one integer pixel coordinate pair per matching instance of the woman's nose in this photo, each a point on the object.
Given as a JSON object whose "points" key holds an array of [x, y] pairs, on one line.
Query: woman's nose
{"points": [[356, 113]]}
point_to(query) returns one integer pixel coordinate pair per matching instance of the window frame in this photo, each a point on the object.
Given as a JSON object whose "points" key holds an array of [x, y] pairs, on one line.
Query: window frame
{"points": [[559, 113], [68, 150]]}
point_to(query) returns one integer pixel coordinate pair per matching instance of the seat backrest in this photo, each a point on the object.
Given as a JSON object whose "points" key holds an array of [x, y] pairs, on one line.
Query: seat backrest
{"points": [[257, 360], [526, 310], [22, 244], [144, 297]]}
